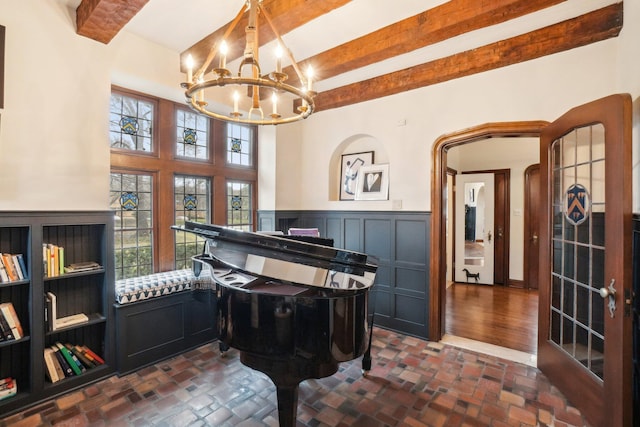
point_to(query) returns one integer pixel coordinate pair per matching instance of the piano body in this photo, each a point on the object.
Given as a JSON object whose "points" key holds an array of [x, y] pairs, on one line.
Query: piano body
{"points": [[293, 309]]}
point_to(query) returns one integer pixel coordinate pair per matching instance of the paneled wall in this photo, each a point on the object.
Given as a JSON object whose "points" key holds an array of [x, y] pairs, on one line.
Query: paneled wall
{"points": [[400, 241]]}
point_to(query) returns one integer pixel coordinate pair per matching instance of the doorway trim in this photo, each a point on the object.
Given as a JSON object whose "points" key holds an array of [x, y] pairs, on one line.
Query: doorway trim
{"points": [[438, 264]]}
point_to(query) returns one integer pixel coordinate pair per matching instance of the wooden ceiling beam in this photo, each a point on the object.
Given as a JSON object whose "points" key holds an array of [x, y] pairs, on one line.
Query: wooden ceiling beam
{"points": [[435, 25], [589, 28], [101, 20], [286, 15]]}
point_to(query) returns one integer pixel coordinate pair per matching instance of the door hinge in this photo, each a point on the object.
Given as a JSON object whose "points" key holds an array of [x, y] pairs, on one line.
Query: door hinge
{"points": [[628, 300]]}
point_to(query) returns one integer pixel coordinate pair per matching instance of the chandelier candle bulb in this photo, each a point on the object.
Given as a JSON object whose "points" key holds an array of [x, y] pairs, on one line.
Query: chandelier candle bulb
{"points": [[223, 54], [279, 59], [189, 69], [274, 101], [236, 97], [309, 78]]}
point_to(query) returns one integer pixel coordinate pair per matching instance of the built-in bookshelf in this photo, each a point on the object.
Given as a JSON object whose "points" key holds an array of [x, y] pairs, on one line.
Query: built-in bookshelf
{"points": [[86, 237]]}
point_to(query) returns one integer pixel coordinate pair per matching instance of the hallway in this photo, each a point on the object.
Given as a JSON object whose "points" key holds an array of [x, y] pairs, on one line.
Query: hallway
{"points": [[412, 383], [503, 316]]}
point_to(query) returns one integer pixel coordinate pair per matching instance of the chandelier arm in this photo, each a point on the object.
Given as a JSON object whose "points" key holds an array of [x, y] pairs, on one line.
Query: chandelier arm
{"points": [[289, 54], [214, 51]]}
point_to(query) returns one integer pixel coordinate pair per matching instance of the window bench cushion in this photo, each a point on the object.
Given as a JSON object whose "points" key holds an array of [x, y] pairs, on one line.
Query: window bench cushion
{"points": [[153, 285]]}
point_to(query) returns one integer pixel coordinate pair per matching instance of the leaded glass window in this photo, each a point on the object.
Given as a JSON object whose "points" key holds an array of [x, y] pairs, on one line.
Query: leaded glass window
{"points": [[578, 251], [239, 205], [192, 203], [239, 145], [131, 123], [192, 139], [131, 199]]}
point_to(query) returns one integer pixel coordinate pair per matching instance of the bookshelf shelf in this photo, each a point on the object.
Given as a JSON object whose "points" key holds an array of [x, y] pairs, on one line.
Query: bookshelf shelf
{"points": [[78, 274], [86, 235]]}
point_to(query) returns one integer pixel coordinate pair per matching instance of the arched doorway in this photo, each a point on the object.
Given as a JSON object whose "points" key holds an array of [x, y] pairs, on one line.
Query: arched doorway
{"points": [[438, 267]]}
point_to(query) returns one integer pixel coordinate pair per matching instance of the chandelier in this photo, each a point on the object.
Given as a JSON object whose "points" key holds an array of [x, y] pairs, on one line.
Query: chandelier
{"points": [[249, 86]]}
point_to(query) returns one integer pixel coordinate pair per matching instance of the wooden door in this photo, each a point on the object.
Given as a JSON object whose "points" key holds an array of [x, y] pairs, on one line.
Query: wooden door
{"points": [[501, 226], [584, 339], [531, 226], [474, 233]]}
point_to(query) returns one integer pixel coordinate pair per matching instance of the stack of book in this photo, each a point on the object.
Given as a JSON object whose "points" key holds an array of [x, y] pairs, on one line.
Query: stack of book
{"points": [[52, 260], [51, 318], [10, 327], [82, 266], [12, 268], [8, 387], [63, 361]]}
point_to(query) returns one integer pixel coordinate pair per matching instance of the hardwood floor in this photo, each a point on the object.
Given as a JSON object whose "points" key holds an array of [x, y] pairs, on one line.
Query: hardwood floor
{"points": [[498, 315]]}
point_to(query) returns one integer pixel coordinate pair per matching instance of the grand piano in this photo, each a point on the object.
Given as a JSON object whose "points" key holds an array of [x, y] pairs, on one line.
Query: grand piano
{"points": [[293, 308]]}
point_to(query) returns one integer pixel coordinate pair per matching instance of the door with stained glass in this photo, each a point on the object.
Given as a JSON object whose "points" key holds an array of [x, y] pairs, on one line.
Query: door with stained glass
{"points": [[584, 342]]}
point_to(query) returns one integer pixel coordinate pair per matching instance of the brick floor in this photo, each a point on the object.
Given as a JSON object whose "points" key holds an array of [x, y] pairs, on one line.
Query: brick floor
{"points": [[412, 383]]}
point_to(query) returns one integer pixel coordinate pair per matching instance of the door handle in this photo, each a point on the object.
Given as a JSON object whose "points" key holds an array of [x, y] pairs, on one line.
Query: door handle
{"points": [[610, 292]]}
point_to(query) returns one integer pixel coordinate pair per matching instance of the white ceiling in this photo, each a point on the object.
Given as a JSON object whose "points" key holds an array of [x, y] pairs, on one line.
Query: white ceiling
{"points": [[179, 24]]}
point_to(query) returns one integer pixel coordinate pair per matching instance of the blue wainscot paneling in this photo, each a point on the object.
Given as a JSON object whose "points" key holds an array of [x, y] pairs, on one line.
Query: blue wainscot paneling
{"points": [[400, 242]]}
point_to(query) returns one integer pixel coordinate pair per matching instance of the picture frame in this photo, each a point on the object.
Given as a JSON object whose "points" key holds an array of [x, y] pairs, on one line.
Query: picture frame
{"points": [[349, 170], [373, 182]]}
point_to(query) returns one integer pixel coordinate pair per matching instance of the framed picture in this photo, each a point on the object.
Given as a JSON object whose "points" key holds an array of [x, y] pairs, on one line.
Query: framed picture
{"points": [[373, 182], [349, 171]]}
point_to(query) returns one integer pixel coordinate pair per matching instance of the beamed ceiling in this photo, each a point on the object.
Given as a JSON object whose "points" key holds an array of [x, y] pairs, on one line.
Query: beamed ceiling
{"points": [[367, 49]]}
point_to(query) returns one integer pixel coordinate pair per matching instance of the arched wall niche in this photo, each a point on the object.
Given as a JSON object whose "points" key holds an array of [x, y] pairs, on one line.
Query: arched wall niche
{"points": [[354, 144]]}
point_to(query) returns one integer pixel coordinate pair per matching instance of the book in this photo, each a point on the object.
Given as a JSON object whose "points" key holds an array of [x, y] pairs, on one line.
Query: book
{"points": [[4, 277], [314, 232], [50, 371], [66, 368], [5, 329], [9, 313], [52, 310], [16, 267], [85, 361], [94, 356], [45, 260], [71, 359], [60, 265], [23, 265], [82, 266], [8, 265], [74, 319], [52, 250], [8, 388], [56, 365]]}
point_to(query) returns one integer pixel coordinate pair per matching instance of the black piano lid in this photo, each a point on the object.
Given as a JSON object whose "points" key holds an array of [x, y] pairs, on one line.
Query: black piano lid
{"points": [[270, 242]]}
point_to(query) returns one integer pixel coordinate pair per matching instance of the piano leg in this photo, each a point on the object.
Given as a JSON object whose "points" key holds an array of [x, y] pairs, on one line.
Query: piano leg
{"points": [[287, 405], [286, 374]]}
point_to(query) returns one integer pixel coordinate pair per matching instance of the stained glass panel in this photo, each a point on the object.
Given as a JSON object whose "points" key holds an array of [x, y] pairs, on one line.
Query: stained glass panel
{"points": [[239, 145], [131, 199], [577, 248], [239, 212], [192, 135], [131, 123], [192, 196]]}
